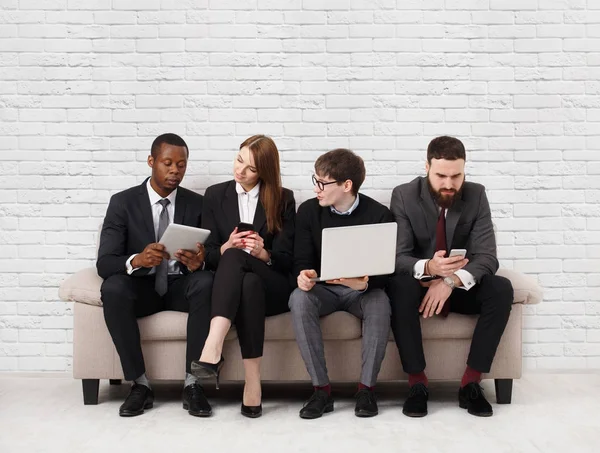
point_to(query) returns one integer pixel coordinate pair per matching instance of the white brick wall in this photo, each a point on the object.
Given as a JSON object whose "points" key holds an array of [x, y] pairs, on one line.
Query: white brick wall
{"points": [[85, 85]]}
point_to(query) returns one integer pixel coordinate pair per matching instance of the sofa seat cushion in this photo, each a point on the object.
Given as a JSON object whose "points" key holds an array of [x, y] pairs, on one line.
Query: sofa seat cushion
{"points": [[171, 325]]}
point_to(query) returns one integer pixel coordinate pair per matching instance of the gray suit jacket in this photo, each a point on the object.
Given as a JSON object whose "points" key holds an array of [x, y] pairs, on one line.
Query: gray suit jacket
{"points": [[468, 226]]}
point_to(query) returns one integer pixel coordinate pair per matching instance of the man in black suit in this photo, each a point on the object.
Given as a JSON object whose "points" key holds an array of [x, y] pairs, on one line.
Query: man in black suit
{"points": [[141, 279], [435, 214]]}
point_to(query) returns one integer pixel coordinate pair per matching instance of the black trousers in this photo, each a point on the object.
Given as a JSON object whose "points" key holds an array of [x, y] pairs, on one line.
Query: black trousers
{"points": [[126, 298], [491, 299], [245, 291]]}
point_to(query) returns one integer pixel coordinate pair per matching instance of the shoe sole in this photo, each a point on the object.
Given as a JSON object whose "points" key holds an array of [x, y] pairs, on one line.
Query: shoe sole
{"points": [[196, 414], [135, 414], [463, 405], [312, 417], [414, 414], [251, 415], [365, 414]]}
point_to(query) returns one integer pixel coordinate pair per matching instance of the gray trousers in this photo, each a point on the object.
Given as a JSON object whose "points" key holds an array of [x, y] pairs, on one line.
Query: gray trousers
{"points": [[373, 307]]}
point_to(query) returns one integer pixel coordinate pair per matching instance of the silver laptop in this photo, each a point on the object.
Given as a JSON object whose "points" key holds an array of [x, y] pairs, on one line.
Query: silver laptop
{"points": [[356, 251]]}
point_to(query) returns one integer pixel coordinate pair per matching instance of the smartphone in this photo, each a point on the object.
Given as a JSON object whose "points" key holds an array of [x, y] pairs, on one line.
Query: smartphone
{"points": [[243, 226], [458, 252]]}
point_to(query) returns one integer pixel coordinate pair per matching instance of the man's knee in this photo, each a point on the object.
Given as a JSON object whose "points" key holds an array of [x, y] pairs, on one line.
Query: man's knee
{"points": [[377, 304], [404, 292], [501, 288], [117, 290], [198, 282], [301, 303]]}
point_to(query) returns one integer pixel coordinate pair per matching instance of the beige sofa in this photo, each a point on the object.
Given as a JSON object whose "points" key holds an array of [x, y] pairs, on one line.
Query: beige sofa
{"points": [[446, 343]]}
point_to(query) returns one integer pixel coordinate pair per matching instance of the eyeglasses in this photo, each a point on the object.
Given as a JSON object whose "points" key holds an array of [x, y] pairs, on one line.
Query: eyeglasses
{"points": [[320, 184]]}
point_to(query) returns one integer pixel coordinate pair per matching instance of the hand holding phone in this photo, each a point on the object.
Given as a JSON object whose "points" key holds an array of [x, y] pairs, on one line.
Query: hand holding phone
{"points": [[445, 267], [237, 237]]}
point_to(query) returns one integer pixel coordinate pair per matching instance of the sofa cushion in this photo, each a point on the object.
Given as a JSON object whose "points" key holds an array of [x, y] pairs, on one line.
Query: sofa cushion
{"points": [[171, 325], [83, 287]]}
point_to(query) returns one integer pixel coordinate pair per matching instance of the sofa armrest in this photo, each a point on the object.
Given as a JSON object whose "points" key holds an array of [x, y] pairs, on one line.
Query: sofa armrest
{"points": [[527, 290], [83, 287]]}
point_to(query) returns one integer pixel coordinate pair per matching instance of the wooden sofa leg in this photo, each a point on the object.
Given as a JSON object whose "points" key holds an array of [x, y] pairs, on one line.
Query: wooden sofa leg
{"points": [[90, 390], [503, 390], [115, 382]]}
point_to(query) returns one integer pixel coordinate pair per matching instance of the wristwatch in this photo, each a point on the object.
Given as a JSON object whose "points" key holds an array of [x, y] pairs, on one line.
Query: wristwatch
{"points": [[450, 282]]}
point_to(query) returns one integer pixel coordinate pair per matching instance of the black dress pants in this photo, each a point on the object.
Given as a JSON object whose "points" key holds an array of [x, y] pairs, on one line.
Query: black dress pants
{"points": [[492, 299], [126, 298], [245, 291]]}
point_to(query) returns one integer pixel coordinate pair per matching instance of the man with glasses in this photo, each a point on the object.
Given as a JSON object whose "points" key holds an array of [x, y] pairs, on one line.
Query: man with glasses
{"points": [[338, 176]]}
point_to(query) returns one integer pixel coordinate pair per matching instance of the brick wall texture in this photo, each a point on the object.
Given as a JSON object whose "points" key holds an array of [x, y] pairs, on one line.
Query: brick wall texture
{"points": [[85, 86]]}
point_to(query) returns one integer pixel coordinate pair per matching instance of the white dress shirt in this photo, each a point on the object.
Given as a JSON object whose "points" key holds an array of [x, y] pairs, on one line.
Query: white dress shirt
{"points": [[465, 276], [247, 202], [156, 208]]}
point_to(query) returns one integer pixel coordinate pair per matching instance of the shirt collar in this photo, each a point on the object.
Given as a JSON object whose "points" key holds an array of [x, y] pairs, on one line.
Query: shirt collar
{"points": [[253, 193], [155, 198], [349, 211]]}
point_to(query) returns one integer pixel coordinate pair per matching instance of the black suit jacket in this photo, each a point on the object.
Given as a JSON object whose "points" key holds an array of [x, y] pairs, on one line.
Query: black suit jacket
{"points": [[468, 226], [128, 227], [222, 215]]}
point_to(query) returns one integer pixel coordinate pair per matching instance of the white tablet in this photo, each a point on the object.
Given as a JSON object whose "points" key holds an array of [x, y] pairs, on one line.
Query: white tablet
{"points": [[182, 237]]}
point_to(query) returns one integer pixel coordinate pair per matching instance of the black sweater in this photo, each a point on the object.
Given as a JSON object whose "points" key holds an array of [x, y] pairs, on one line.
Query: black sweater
{"points": [[311, 218]]}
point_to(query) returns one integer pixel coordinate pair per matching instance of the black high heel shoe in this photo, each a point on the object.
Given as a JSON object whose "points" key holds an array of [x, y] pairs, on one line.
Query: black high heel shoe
{"points": [[207, 370], [251, 411]]}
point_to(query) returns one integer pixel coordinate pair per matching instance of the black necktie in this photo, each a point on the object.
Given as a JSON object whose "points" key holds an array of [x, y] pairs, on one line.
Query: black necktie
{"points": [[162, 270]]}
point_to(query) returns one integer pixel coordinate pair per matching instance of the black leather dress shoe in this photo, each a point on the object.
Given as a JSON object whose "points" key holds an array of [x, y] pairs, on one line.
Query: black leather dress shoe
{"points": [[366, 405], [140, 397], [416, 402], [471, 397], [319, 403], [251, 411], [195, 402]]}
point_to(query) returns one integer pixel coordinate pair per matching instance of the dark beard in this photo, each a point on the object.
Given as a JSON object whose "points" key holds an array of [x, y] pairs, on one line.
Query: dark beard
{"points": [[444, 201]]}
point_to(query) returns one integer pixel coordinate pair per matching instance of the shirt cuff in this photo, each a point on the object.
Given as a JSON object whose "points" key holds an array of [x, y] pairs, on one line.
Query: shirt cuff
{"points": [[419, 270], [466, 278], [129, 267]]}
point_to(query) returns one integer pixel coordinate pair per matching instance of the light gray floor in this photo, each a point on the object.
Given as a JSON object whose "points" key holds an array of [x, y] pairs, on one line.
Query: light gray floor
{"points": [[549, 413]]}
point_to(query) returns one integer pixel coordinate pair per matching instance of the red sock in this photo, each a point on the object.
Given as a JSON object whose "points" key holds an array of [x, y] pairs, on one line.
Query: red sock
{"points": [[327, 388], [470, 375], [363, 386], [418, 378]]}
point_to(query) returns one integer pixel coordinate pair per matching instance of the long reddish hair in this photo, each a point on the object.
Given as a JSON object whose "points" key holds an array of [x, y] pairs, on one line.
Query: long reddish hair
{"points": [[266, 158]]}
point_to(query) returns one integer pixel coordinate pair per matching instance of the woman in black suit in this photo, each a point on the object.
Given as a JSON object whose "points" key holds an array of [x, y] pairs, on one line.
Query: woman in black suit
{"points": [[253, 268]]}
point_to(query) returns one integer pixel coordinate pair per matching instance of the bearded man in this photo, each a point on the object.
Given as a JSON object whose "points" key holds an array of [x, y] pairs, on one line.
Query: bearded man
{"points": [[435, 214]]}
